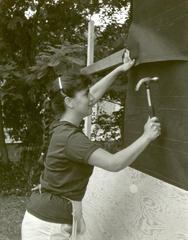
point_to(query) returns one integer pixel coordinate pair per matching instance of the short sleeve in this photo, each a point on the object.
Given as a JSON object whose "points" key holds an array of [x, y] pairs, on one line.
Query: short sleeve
{"points": [[79, 147]]}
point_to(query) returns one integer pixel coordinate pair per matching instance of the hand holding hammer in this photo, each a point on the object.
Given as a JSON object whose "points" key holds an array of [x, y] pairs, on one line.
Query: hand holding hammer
{"points": [[147, 82]]}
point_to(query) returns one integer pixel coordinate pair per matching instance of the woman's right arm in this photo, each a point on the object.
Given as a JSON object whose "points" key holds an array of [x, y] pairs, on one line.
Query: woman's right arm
{"points": [[120, 160]]}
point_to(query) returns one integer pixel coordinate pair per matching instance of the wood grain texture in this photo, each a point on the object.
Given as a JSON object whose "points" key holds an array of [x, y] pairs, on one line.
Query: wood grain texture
{"points": [[130, 205], [105, 63]]}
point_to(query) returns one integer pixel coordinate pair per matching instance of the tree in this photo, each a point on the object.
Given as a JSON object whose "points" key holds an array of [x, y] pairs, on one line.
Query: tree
{"points": [[40, 40]]}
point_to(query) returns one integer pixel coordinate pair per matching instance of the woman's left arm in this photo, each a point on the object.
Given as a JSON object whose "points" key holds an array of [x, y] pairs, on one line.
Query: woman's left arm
{"points": [[98, 89]]}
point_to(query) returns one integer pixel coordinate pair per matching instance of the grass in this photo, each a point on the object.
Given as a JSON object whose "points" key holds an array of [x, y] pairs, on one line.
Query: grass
{"points": [[12, 209]]}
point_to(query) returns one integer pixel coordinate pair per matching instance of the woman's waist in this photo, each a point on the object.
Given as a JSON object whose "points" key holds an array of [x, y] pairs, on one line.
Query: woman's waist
{"points": [[63, 195], [49, 206]]}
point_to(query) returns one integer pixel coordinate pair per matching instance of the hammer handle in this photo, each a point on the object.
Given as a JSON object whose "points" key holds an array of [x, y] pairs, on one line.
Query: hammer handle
{"points": [[151, 111], [150, 106]]}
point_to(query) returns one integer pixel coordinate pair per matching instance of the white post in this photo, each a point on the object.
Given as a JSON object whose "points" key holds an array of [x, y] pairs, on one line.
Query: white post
{"points": [[90, 60]]}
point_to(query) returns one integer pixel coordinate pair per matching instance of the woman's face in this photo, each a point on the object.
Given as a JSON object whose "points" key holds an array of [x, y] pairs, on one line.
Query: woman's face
{"points": [[82, 102]]}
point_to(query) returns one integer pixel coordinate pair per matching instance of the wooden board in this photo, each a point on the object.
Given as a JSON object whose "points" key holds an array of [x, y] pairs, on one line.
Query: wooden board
{"points": [[105, 63], [131, 205]]}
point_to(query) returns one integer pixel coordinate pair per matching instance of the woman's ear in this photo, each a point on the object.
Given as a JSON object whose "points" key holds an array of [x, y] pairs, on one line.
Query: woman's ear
{"points": [[68, 102]]}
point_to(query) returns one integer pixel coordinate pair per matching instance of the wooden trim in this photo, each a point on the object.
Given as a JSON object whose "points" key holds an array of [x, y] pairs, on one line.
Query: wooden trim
{"points": [[90, 60], [105, 63]]}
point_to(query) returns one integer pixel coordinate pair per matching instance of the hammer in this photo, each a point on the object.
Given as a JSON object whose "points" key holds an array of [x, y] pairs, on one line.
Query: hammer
{"points": [[147, 81]]}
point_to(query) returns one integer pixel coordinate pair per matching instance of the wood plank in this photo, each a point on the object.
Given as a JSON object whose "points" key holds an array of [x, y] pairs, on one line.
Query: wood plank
{"points": [[90, 60], [141, 207], [105, 63]]}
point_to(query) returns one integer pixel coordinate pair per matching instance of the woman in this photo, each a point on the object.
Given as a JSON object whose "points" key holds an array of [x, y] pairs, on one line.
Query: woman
{"points": [[55, 212]]}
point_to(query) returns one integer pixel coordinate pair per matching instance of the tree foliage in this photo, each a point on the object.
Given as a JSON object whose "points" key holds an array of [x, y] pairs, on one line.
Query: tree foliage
{"points": [[40, 40]]}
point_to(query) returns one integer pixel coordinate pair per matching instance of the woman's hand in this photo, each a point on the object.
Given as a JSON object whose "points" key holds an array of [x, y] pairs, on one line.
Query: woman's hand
{"points": [[152, 129], [98, 90], [127, 62]]}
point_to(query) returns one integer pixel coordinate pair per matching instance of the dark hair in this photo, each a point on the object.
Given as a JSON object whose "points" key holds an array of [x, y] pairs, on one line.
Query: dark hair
{"points": [[66, 85]]}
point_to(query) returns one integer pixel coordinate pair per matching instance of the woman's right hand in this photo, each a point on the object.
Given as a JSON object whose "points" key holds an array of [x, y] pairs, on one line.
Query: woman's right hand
{"points": [[152, 128]]}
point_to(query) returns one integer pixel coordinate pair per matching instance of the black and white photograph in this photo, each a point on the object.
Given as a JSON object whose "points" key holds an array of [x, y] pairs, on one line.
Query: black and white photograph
{"points": [[94, 120]]}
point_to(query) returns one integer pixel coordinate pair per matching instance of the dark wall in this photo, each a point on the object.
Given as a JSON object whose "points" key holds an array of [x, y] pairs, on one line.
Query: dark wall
{"points": [[158, 40], [158, 31]]}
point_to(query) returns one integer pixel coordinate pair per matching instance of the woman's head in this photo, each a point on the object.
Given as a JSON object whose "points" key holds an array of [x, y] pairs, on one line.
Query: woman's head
{"points": [[70, 93]]}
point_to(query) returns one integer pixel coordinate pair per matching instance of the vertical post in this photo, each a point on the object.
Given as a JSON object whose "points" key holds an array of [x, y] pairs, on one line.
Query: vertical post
{"points": [[3, 148], [90, 60], [90, 42]]}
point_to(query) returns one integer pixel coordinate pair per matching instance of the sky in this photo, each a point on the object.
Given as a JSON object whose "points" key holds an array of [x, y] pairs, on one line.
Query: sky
{"points": [[99, 19], [120, 16]]}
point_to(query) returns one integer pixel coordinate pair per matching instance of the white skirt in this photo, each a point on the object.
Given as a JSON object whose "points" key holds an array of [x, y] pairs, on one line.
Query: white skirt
{"points": [[34, 228]]}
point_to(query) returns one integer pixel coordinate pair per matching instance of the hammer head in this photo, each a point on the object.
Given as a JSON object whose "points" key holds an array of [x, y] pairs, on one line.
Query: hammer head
{"points": [[146, 80]]}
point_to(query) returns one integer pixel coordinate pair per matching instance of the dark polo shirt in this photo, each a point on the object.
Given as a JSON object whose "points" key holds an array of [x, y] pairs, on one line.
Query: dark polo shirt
{"points": [[66, 173]]}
